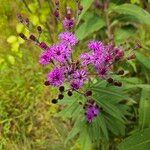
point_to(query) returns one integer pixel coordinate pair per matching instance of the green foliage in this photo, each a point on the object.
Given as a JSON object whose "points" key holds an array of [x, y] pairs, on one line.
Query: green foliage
{"points": [[92, 24], [138, 141], [144, 110], [132, 10]]}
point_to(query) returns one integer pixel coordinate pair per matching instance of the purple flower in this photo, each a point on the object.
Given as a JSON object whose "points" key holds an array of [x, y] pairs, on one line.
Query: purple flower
{"points": [[61, 52], [56, 77], [69, 38], [92, 111], [46, 57], [76, 84], [68, 23], [81, 75], [86, 59], [96, 46]]}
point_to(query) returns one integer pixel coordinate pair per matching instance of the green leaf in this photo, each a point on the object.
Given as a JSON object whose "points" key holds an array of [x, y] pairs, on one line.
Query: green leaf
{"points": [[11, 59], [86, 5], [144, 111], [84, 140], [80, 122], [110, 92], [122, 34], [129, 9], [137, 141], [133, 86], [102, 124], [135, 1], [12, 39], [91, 24], [143, 59]]}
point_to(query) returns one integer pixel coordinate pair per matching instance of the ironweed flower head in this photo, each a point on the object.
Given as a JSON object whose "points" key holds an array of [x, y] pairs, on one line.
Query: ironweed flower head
{"points": [[60, 52], [68, 23], [92, 111], [56, 77], [46, 57], [69, 38]]}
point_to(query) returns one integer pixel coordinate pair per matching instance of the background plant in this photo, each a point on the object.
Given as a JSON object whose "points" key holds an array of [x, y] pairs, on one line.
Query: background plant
{"points": [[26, 112]]}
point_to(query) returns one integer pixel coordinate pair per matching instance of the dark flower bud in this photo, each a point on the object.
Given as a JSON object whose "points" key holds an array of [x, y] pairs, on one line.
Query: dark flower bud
{"points": [[88, 93], [119, 54], [60, 96], [56, 13], [91, 101], [110, 80], [68, 13], [138, 45], [120, 72], [131, 57], [80, 103], [61, 88], [22, 36], [54, 101], [123, 102], [68, 16], [57, 2], [80, 7], [39, 29], [32, 37], [27, 22], [47, 83], [69, 93], [43, 45], [117, 83], [20, 18], [98, 4]]}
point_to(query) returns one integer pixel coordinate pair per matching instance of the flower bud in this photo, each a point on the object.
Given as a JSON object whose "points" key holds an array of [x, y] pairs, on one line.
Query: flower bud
{"points": [[43, 45], [88, 93], [61, 88], [69, 93], [47, 83], [20, 18], [117, 83], [120, 72], [60, 96], [110, 80], [80, 7], [56, 13], [32, 37], [54, 101], [22, 36], [57, 2], [131, 57], [27, 22], [39, 29], [80, 103]]}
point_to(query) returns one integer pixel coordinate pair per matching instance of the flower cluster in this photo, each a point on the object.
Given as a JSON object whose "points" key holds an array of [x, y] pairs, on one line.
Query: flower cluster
{"points": [[76, 72], [60, 55], [101, 56]]}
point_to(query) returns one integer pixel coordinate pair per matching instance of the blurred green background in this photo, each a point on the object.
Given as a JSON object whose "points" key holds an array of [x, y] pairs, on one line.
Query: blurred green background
{"points": [[26, 113]]}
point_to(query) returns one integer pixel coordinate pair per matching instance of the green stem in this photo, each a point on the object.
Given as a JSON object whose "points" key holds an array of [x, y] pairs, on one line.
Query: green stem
{"points": [[39, 3], [26, 5]]}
